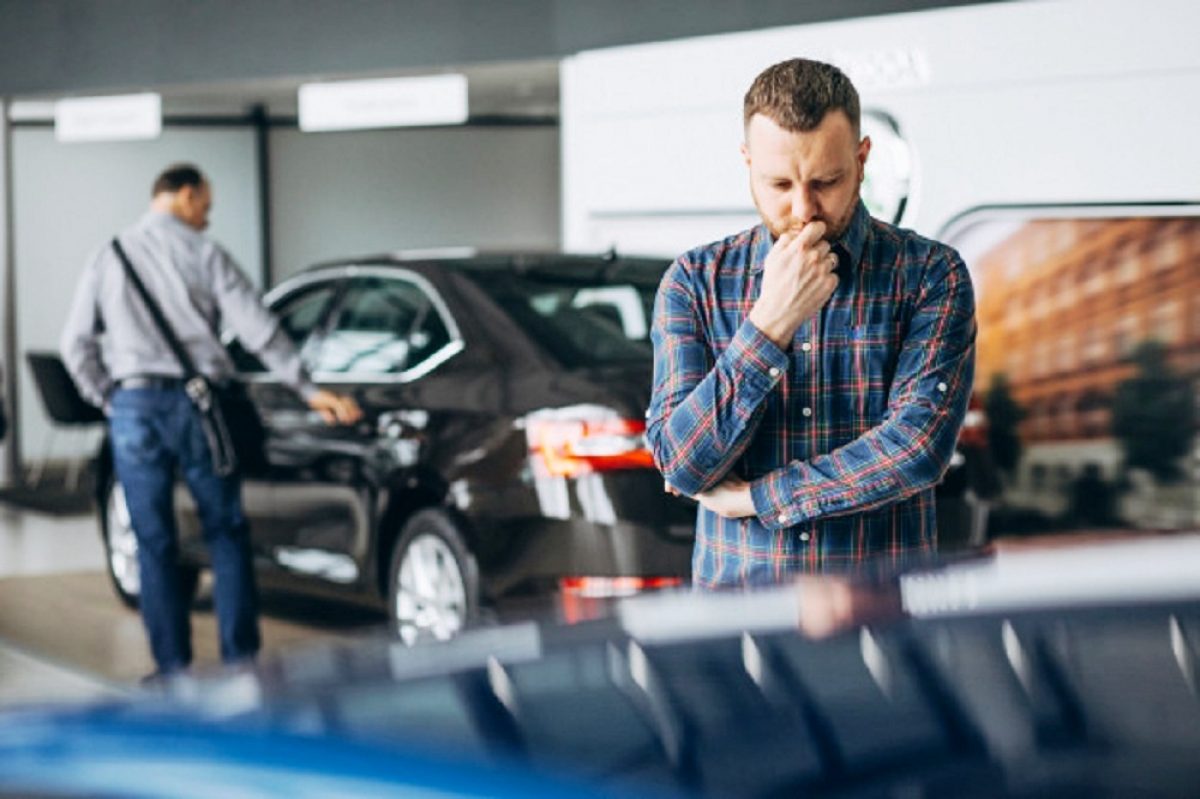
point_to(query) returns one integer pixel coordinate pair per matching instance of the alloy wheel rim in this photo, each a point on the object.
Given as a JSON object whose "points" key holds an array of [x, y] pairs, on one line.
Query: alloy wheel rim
{"points": [[431, 596], [122, 543]]}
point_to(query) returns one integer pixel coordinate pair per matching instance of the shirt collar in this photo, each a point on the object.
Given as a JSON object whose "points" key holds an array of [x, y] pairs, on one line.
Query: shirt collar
{"points": [[851, 243], [165, 219], [854, 239]]}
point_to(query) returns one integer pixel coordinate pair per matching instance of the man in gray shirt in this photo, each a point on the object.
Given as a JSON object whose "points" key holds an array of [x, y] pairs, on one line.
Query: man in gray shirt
{"points": [[133, 374]]}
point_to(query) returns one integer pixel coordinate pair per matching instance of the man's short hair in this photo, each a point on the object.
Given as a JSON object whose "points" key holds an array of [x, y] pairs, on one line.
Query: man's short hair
{"points": [[798, 93], [175, 177]]}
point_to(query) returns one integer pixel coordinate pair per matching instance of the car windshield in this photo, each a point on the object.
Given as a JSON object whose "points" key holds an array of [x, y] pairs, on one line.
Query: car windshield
{"points": [[595, 321]]}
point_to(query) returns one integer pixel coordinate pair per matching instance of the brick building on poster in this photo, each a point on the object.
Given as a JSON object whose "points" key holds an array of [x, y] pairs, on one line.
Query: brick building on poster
{"points": [[1063, 303]]}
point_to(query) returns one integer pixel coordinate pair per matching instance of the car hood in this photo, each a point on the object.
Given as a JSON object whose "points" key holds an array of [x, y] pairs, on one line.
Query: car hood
{"points": [[980, 679]]}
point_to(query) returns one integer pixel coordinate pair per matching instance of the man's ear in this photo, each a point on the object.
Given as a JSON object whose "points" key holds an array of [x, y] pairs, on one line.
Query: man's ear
{"points": [[745, 153], [864, 150], [179, 200]]}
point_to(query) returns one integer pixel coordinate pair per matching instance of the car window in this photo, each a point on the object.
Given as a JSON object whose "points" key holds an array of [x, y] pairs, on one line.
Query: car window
{"points": [[383, 326], [299, 313], [580, 323], [428, 336]]}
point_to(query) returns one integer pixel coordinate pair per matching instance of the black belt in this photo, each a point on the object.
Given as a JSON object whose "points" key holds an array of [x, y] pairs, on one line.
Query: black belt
{"points": [[151, 381]]}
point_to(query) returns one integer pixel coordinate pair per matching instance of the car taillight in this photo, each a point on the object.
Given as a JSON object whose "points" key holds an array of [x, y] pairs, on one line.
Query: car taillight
{"points": [[610, 587], [562, 446], [586, 598]]}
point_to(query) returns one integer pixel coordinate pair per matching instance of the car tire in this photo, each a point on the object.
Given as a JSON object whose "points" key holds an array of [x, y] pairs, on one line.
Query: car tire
{"points": [[120, 551], [433, 585]]}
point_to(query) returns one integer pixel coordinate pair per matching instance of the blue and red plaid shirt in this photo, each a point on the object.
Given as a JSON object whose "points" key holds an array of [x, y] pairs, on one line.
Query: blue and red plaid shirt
{"points": [[844, 435]]}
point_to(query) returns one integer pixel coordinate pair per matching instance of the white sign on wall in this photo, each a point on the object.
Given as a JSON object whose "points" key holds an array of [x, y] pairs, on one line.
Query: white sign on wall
{"points": [[384, 103], [122, 117]]}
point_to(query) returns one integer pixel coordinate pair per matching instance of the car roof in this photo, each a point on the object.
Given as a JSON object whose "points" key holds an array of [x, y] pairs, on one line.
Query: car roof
{"points": [[588, 266]]}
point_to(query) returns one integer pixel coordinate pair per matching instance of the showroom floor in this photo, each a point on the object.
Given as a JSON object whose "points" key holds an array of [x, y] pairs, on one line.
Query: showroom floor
{"points": [[65, 637]]}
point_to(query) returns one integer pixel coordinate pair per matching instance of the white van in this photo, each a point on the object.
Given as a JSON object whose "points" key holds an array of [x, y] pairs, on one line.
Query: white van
{"points": [[1056, 144]]}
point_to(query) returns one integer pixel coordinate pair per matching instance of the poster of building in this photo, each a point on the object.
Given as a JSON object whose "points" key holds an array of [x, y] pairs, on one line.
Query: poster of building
{"points": [[1088, 366]]}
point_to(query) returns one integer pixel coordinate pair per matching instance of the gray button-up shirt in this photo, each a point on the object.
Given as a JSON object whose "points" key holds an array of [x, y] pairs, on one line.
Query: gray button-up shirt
{"points": [[110, 335]]}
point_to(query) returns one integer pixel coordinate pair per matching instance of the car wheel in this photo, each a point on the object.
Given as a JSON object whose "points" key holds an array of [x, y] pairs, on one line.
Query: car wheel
{"points": [[121, 551], [434, 579]]}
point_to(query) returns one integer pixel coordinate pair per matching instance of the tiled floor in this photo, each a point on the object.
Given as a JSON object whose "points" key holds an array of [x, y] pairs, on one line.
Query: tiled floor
{"points": [[39, 543], [36, 545], [28, 679], [64, 636]]}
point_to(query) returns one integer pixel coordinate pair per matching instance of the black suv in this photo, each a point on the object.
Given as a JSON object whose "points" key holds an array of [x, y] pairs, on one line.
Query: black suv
{"points": [[502, 446]]}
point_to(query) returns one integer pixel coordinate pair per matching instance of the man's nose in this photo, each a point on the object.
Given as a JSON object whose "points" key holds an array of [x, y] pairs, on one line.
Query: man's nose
{"points": [[804, 206]]}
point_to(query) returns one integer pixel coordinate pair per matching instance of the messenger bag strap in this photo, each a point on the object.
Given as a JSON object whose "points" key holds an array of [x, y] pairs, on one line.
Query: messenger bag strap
{"points": [[212, 420], [160, 321]]}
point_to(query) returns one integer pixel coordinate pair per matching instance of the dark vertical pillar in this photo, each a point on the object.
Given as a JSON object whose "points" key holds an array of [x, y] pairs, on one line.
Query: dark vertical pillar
{"points": [[262, 139], [8, 269]]}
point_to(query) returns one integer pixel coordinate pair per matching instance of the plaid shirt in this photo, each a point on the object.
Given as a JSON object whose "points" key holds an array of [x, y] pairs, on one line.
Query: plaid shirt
{"points": [[844, 435]]}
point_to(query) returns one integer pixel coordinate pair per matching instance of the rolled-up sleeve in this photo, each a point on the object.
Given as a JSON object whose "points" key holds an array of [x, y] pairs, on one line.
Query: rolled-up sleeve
{"points": [[911, 449], [704, 410]]}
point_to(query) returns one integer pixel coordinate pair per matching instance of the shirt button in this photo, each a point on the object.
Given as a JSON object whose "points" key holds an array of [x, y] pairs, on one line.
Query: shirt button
{"points": [[783, 519], [804, 536], [773, 371], [942, 387], [807, 411], [806, 346]]}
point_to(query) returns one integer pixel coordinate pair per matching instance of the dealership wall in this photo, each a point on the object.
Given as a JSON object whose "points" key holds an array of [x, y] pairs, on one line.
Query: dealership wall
{"points": [[332, 195], [346, 194], [1075, 101]]}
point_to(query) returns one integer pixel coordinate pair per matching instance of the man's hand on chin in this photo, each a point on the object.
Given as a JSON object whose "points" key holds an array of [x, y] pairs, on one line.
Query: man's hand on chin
{"points": [[730, 499]]}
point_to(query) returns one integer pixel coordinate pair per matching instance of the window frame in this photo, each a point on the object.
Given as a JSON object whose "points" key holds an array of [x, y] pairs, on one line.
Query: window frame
{"points": [[343, 276], [276, 297], [433, 304]]}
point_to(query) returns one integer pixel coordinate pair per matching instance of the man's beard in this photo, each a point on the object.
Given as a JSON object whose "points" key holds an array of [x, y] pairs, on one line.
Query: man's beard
{"points": [[832, 233]]}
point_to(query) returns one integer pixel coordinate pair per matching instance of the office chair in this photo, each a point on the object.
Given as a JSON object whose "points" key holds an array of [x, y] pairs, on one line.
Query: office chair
{"points": [[63, 405]]}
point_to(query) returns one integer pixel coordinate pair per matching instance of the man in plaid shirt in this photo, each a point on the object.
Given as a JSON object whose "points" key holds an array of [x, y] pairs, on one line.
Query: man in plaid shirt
{"points": [[811, 374]]}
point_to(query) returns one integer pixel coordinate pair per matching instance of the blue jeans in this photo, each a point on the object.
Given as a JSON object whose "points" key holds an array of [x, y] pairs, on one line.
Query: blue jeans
{"points": [[156, 431]]}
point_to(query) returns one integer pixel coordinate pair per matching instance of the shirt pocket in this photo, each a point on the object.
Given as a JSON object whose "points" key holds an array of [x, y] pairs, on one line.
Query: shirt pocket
{"points": [[862, 365]]}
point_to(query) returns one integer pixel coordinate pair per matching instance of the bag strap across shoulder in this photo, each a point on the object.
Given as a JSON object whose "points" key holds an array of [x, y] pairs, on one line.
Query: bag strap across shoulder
{"points": [[221, 445], [160, 321]]}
